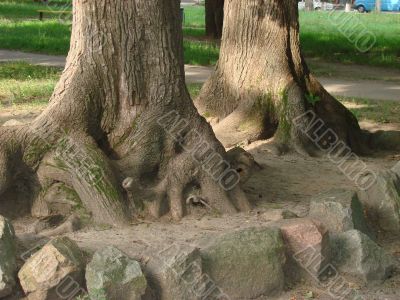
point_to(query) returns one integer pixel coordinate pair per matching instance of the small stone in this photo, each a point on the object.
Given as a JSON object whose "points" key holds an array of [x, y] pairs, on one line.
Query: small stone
{"points": [[113, 275], [8, 265], [382, 201], [175, 272], [246, 264], [361, 257], [46, 273], [339, 211], [308, 245]]}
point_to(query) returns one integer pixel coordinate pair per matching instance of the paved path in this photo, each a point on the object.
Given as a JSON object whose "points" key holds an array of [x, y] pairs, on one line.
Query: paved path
{"points": [[368, 89], [37, 59], [189, 2]]}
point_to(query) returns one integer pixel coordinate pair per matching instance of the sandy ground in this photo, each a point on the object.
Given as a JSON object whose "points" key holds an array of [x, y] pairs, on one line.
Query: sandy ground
{"points": [[284, 182], [288, 181]]}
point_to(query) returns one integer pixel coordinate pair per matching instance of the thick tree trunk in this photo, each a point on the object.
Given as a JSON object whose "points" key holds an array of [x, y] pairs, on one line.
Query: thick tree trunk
{"points": [[262, 83], [116, 129], [214, 18]]}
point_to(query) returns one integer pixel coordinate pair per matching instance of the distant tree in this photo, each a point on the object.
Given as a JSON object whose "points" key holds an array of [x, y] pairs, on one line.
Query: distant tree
{"points": [[378, 4], [262, 83], [309, 5], [214, 17]]}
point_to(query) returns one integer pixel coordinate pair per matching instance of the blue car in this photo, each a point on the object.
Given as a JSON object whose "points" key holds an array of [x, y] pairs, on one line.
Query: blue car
{"points": [[369, 5]]}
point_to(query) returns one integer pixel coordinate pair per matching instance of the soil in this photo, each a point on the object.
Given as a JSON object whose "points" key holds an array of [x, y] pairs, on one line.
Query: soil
{"points": [[19, 113], [287, 182]]}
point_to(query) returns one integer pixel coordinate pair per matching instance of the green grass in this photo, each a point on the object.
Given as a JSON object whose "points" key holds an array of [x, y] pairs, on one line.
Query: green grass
{"points": [[25, 85], [194, 16], [194, 89], [373, 110], [22, 83], [28, 9], [26, 71], [194, 32], [10, 10], [200, 53], [321, 38], [50, 36], [20, 30]]}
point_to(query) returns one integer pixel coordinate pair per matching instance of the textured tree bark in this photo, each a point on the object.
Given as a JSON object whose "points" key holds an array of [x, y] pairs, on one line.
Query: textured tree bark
{"points": [[262, 83], [214, 18], [107, 131]]}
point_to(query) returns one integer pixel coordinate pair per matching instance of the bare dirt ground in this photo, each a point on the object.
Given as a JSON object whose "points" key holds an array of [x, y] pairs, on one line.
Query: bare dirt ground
{"points": [[24, 114], [284, 182], [288, 181]]}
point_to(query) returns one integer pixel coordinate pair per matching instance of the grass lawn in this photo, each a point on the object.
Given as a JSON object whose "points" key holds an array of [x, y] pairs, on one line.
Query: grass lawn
{"points": [[194, 17], [50, 37], [373, 110], [27, 9], [20, 30], [25, 84], [321, 38]]}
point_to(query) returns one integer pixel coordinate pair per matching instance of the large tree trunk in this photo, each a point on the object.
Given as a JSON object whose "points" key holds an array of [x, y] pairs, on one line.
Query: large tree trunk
{"points": [[262, 83], [117, 127], [214, 18]]}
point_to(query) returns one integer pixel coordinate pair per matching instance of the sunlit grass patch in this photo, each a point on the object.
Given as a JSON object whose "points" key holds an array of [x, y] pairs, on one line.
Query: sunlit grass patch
{"points": [[49, 36], [200, 53], [22, 83], [194, 89], [380, 111], [194, 16]]}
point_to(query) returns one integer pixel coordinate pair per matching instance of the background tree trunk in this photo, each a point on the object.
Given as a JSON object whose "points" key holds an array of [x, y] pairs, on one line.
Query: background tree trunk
{"points": [[108, 133], [378, 6], [214, 18], [309, 5], [262, 83]]}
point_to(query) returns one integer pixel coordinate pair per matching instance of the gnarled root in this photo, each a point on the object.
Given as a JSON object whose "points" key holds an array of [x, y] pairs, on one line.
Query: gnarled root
{"points": [[196, 162], [154, 179], [298, 117]]}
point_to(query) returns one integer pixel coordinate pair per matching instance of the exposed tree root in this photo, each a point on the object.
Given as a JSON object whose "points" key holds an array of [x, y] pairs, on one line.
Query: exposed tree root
{"points": [[110, 191], [296, 116], [262, 85]]}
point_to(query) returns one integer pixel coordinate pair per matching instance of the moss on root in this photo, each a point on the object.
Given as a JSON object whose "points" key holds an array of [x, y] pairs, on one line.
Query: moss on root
{"points": [[263, 105], [285, 126], [78, 209]]}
